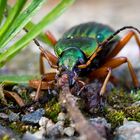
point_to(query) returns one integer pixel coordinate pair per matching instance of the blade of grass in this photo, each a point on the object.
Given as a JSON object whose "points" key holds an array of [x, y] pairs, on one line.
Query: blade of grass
{"points": [[16, 79], [14, 12], [36, 30], [2, 7], [22, 19]]}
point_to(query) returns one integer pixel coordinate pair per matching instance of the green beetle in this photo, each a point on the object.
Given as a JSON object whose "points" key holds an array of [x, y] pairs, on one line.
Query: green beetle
{"points": [[90, 50], [78, 44]]}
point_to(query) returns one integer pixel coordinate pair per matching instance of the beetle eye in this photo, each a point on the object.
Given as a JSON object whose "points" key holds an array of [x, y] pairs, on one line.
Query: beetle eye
{"points": [[99, 38]]}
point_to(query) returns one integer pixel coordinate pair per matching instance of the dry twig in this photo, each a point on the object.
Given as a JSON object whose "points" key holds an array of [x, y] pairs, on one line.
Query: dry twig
{"points": [[82, 125]]}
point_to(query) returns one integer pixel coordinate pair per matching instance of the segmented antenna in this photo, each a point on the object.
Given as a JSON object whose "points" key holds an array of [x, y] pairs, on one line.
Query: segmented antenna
{"points": [[45, 53], [35, 41], [117, 32]]}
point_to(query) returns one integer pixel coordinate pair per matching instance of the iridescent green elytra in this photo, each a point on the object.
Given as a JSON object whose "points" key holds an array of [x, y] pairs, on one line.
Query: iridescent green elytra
{"points": [[80, 42]]}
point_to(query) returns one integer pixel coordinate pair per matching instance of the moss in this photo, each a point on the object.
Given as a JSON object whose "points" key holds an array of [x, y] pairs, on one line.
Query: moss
{"points": [[132, 113], [21, 128], [6, 137], [135, 95], [119, 99], [119, 106], [115, 117], [52, 109], [17, 127]]}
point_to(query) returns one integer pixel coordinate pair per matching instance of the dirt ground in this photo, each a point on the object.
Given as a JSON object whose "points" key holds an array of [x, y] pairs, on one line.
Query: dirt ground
{"points": [[117, 14]]}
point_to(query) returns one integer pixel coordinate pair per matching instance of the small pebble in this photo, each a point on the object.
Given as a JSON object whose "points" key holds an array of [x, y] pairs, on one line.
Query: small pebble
{"points": [[130, 130], [34, 117], [35, 136], [3, 116], [32, 95], [69, 131], [61, 116], [61, 123], [53, 131], [5, 131], [43, 121], [101, 125], [101, 121], [40, 134], [49, 124], [60, 127], [13, 116]]}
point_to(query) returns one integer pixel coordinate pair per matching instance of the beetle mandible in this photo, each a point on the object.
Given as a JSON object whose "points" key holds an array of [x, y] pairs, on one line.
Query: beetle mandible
{"points": [[88, 49]]}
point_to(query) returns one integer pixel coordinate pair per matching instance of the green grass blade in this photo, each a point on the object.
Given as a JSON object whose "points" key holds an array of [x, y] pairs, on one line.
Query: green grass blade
{"points": [[16, 79], [2, 8], [22, 19], [36, 30], [14, 12]]}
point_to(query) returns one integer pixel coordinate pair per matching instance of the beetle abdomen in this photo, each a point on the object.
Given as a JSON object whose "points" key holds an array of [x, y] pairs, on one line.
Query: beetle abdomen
{"points": [[92, 30], [87, 37]]}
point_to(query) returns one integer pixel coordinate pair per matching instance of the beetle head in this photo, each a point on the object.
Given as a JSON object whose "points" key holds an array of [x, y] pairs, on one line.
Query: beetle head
{"points": [[68, 63]]}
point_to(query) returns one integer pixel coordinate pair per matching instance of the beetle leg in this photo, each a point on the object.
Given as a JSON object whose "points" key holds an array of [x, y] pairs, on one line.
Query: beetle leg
{"points": [[37, 95], [41, 64], [46, 82], [115, 62], [101, 73], [51, 38], [106, 68], [123, 42], [52, 60]]}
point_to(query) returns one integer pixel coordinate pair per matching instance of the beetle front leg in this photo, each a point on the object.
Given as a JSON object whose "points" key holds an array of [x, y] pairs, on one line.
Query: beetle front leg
{"points": [[52, 60], [46, 82]]}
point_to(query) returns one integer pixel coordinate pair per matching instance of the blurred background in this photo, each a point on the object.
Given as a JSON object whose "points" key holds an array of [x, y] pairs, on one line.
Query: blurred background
{"points": [[115, 13]]}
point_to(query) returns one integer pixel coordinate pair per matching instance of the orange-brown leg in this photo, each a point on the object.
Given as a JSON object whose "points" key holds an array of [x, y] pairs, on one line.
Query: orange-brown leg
{"points": [[105, 70], [51, 38], [46, 82], [46, 78], [52, 60], [115, 62], [101, 73], [123, 42]]}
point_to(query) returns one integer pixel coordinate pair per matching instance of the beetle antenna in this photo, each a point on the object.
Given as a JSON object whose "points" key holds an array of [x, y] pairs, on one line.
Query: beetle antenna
{"points": [[35, 41], [117, 32]]}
